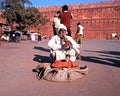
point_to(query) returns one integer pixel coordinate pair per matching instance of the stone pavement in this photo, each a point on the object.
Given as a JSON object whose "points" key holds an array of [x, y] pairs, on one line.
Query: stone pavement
{"points": [[18, 60]]}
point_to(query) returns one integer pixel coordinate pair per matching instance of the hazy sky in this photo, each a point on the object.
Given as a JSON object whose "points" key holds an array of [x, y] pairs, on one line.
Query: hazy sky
{"points": [[46, 3]]}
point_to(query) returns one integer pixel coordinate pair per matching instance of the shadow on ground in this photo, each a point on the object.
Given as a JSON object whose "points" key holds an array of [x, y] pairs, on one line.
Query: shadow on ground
{"points": [[41, 59], [111, 58], [41, 48]]}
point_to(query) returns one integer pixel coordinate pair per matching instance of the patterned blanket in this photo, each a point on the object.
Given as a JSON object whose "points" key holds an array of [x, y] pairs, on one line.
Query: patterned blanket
{"points": [[46, 72]]}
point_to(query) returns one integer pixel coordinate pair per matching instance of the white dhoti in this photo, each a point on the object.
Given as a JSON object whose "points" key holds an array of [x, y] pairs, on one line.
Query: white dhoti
{"points": [[61, 54]]}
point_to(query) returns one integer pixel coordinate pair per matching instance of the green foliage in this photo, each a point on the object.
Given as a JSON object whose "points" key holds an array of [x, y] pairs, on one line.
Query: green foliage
{"points": [[25, 17], [32, 18]]}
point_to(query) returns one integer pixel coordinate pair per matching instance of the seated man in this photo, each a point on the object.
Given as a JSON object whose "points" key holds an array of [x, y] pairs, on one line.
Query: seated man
{"points": [[4, 37], [62, 45], [63, 51]]}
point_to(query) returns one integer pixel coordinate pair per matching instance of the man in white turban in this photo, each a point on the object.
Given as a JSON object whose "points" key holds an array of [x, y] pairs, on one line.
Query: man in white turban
{"points": [[63, 45]]}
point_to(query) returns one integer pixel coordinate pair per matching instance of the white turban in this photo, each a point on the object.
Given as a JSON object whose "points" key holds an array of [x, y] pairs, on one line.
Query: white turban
{"points": [[63, 27]]}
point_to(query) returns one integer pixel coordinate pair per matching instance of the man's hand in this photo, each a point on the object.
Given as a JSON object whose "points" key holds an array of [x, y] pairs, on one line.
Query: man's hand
{"points": [[78, 54], [67, 44]]}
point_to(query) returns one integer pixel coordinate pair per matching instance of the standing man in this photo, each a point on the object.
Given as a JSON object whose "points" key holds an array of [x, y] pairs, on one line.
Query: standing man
{"points": [[39, 35], [79, 33], [56, 23], [66, 17]]}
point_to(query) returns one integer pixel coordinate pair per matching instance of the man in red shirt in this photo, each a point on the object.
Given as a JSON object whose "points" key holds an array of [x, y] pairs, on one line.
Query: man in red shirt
{"points": [[66, 17]]}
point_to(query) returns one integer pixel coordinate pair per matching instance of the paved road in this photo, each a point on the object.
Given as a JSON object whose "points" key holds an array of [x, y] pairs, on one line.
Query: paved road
{"points": [[17, 61]]}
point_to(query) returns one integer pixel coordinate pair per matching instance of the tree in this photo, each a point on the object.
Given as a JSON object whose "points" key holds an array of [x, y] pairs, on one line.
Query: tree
{"points": [[32, 18], [16, 12]]}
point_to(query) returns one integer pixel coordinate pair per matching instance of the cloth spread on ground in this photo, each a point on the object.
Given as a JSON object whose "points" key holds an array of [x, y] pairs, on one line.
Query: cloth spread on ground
{"points": [[46, 72], [64, 64]]}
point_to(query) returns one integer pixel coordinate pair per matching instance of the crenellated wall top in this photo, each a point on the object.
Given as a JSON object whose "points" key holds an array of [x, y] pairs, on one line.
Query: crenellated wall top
{"points": [[82, 6]]}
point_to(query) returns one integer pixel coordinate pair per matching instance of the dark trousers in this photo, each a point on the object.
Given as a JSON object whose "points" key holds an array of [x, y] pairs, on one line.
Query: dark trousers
{"points": [[68, 32], [39, 38]]}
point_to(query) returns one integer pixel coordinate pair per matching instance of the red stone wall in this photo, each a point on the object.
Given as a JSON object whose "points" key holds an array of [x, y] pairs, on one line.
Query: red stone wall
{"points": [[100, 20]]}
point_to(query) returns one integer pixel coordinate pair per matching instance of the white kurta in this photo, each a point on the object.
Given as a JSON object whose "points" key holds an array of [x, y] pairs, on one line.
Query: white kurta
{"points": [[55, 44], [81, 29]]}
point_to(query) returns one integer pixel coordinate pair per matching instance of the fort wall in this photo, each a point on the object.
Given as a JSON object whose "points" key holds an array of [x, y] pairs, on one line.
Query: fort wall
{"points": [[99, 19]]}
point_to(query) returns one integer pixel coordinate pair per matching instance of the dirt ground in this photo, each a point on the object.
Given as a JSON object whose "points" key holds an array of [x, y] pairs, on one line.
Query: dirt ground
{"points": [[18, 60]]}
